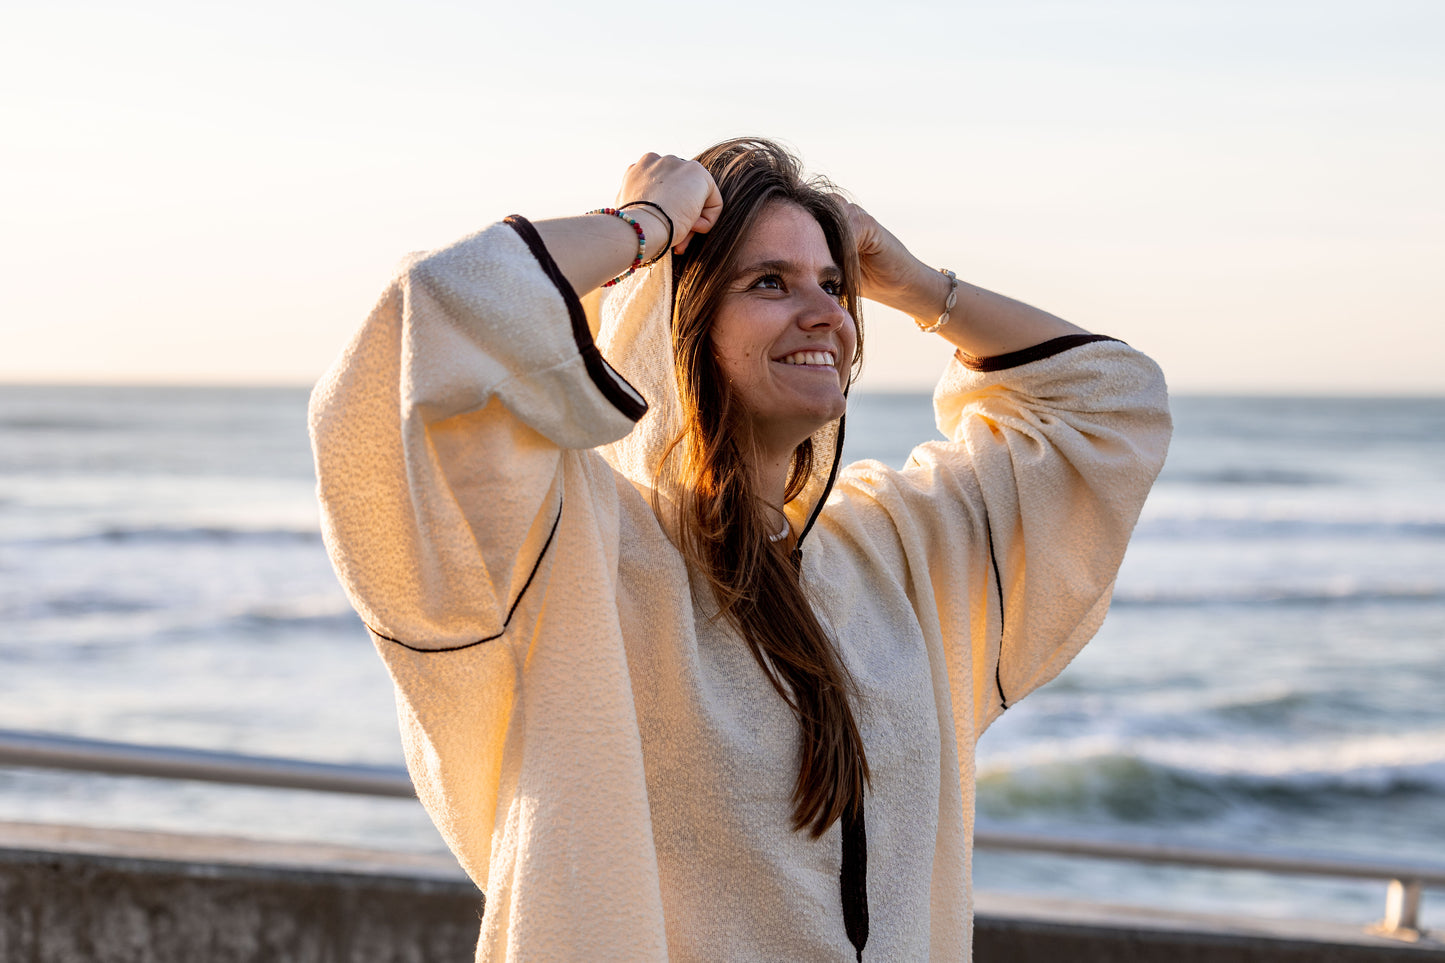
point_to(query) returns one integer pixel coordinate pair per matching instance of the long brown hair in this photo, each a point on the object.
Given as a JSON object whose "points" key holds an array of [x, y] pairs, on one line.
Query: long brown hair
{"points": [[722, 522]]}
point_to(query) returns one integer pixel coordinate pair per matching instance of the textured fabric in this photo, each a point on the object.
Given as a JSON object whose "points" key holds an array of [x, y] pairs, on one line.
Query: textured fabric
{"points": [[610, 765]]}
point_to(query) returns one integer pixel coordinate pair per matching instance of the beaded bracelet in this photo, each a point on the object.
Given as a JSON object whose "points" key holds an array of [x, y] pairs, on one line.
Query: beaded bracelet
{"points": [[947, 308], [665, 219], [641, 242]]}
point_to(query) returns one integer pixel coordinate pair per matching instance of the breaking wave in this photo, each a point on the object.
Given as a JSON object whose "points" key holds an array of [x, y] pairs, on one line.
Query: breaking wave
{"points": [[1186, 783]]}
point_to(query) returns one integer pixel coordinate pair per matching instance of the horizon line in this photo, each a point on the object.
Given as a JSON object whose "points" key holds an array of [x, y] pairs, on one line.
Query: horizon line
{"points": [[858, 390]]}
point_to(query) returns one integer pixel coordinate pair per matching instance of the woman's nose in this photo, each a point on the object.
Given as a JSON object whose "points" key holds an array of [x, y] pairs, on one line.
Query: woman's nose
{"points": [[823, 311]]}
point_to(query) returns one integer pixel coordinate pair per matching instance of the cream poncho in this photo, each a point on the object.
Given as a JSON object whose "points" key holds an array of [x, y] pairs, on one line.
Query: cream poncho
{"points": [[608, 763]]}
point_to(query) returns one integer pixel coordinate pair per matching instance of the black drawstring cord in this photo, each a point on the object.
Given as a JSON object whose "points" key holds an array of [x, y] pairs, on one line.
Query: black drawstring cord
{"points": [[853, 876], [853, 879]]}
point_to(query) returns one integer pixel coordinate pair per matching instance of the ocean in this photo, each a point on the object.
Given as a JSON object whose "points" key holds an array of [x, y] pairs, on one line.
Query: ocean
{"points": [[1270, 675]]}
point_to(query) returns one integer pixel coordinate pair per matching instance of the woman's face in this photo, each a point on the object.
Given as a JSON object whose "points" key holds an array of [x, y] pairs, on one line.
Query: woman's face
{"points": [[780, 335]]}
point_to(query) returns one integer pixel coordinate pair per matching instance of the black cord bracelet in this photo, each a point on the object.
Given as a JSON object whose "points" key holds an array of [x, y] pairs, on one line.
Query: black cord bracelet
{"points": [[666, 220]]}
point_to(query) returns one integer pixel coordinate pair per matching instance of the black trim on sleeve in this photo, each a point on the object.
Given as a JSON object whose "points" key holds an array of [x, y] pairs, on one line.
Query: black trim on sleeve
{"points": [[507, 621], [627, 400], [1038, 352], [997, 581]]}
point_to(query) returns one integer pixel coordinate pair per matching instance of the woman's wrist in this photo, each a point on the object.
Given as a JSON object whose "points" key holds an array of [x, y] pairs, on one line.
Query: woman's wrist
{"points": [[930, 327], [654, 226], [590, 249], [923, 295]]}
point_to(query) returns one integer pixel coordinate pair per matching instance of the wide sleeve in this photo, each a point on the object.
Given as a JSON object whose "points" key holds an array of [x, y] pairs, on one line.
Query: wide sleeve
{"points": [[438, 435], [1012, 530], [476, 533]]}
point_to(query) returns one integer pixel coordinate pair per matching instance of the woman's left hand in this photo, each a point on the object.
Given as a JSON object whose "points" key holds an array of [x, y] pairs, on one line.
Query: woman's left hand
{"points": [[891, 274], [982, 323]]}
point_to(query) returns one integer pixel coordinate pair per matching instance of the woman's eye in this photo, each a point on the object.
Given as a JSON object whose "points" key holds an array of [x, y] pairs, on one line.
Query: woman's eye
{"points": [[770, 282], [834, 287]]}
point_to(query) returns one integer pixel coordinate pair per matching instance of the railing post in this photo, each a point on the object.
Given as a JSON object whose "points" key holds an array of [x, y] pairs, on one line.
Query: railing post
{"points": [[1402, 910]]}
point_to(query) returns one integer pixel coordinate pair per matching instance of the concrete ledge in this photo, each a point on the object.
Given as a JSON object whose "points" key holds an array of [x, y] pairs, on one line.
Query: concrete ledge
{"points": [[71, 894], [208, 854], [1033, 930]]}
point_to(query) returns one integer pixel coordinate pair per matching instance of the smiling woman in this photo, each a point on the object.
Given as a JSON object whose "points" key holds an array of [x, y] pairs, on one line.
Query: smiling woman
{"points": [[781, 335], [673, 683]]}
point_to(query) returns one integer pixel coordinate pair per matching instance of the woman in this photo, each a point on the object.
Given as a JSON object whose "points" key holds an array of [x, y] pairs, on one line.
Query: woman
{"points": [[672, 684]]}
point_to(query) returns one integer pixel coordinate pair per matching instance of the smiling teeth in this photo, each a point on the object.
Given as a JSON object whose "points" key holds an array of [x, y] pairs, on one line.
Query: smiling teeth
{"points": [[809, 357]]}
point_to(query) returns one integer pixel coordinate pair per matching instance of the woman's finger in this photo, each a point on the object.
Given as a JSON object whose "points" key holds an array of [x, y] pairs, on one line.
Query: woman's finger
{"points": [[707, 215]]}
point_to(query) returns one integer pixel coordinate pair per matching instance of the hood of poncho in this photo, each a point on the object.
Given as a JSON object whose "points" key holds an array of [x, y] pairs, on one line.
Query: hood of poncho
{"points": [[635, 337]]}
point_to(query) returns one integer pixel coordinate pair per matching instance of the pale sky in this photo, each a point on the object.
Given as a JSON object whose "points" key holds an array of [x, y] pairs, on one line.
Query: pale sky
{"points": [[1249, 190]]}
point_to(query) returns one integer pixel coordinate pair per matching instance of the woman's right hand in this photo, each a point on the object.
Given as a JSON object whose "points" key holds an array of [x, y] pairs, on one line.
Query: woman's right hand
{"points": [[589, 249], [682, 188]]}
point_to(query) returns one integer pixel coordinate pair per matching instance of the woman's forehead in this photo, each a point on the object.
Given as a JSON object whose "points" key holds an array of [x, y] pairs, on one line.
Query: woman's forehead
{"points": [[784, 234]]}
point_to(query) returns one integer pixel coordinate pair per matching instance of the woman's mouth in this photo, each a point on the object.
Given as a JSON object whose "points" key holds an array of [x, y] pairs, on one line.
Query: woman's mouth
{"points": [[809, 359]]}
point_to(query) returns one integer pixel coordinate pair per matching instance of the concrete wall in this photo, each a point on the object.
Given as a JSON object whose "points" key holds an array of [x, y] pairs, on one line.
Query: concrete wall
{"points": [[1128, 940], [73, 895]]}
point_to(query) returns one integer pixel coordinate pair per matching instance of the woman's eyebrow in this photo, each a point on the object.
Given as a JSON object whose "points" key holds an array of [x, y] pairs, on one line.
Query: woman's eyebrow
{"points": [[771, 266], [784, 266]]}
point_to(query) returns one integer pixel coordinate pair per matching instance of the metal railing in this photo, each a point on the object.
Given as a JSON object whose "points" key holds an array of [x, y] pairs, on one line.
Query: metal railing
{"points": [[1406, 888], [34, 750], [1407, 881]]}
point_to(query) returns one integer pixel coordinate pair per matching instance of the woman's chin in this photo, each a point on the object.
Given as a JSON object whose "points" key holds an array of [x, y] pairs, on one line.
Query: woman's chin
{"points": [[785, 434]]}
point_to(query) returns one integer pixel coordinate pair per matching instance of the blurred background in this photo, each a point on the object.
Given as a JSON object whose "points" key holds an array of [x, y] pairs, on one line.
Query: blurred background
{"points": [[202, 201]]}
